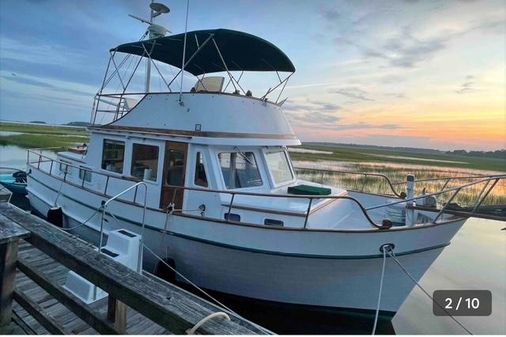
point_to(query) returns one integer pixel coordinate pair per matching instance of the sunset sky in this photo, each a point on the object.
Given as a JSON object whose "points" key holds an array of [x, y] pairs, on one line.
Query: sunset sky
{"points": [[427, 74]]}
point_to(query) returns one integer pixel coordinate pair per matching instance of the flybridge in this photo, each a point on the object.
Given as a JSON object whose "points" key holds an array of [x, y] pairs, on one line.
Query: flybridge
{"points": [[205, 52]]}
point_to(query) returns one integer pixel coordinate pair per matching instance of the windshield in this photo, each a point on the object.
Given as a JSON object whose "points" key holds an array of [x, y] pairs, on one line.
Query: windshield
{"points": [[277, 161], [239, 169]]}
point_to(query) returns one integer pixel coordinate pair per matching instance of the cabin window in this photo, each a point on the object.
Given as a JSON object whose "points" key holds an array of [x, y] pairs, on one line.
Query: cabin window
{"points": [[200, 171], [239, 169], [279, 167], [175, 169], [113, 155], [85, 174], [144, 161]]}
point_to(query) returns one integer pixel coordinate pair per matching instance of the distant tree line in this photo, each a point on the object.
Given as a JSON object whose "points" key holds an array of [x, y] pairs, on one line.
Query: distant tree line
{"points": [[78, 124], [491, 154]]}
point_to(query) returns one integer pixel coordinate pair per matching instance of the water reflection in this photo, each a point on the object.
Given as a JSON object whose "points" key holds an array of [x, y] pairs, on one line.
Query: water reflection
{"points": [[9, 133], [15, 156], [475, 260]]}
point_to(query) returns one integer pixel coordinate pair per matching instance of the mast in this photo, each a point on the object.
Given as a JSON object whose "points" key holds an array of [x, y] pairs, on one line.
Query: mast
{"points": [[155, 31]]}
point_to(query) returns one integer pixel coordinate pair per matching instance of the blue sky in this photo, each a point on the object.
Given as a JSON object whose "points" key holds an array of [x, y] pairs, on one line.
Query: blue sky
{"points": [[402, 73]]}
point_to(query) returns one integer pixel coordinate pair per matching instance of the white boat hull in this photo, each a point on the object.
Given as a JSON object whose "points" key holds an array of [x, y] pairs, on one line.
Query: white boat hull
{"points": [[322, 269]]}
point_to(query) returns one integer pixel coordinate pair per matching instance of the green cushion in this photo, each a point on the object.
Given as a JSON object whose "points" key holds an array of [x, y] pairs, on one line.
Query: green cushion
{"points": [[309, 190]]}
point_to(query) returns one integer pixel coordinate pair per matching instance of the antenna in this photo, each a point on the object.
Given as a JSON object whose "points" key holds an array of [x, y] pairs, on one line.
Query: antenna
{"points": [[155, 31], [184, 53]]}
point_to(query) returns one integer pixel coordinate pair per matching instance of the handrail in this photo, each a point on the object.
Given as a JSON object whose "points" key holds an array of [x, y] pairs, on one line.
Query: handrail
{"points": [[438, 193], [396, 183], [363, 209], [233, 193], [108, 201], [298, 196], [379, 175], [445, 178], [310, 198], [85, 168]]}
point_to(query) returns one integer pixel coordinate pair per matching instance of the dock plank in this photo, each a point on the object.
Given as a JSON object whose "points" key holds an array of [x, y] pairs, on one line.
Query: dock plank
{"points": [[45, 318], [68, 299]]}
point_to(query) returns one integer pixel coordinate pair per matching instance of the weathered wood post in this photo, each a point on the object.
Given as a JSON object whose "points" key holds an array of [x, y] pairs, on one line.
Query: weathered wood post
{"points": [[10, 233], [117, 313]]}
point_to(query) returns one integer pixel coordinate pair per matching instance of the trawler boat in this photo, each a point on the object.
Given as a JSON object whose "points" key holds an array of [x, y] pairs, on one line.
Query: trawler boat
{"points": [[203, 173]]}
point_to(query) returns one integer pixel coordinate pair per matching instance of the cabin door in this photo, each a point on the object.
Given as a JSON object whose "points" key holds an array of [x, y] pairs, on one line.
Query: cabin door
{"points": [[174, 169]]}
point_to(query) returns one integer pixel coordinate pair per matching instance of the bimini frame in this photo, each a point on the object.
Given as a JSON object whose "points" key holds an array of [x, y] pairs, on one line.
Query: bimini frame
{"points": [[117, 104]]}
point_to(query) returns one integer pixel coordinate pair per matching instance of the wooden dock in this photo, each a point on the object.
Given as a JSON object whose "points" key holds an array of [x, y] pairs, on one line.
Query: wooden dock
{"points": [[35, 258]]}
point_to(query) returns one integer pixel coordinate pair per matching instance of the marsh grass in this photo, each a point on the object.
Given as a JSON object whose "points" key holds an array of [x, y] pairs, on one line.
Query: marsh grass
{"points": [[42, 136], [43, 129], [367, 155]]}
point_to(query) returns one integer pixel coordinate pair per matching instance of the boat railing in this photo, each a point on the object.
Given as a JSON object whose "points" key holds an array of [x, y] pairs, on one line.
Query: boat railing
{"points": [[394, 188], [359, 184], [488, 182], [115, 104], [103, 211], [310, 198], [36, 159], [448, 207]]}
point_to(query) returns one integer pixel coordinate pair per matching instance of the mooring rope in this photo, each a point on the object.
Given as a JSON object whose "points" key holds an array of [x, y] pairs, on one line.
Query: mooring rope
{"points": [[394, 257], [230, 311], [380, 290], [205, 319]]}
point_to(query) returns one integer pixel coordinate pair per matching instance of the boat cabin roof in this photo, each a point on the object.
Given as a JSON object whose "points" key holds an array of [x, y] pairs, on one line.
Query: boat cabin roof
{"points": [[207, 51]]}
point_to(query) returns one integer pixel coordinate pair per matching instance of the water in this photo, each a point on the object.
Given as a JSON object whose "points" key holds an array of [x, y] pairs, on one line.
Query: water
{"points": [[9, 133], [15, 156], [476, 259]]}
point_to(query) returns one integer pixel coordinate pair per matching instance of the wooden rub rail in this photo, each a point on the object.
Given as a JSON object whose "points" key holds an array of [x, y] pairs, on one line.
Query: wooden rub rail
{"points": [[157, 302]]}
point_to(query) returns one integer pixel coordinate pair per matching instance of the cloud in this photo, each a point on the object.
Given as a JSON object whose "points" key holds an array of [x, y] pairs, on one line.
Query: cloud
{"points": [[330, 14], [363, 125], [399, 95], [310, 85], [50, 60], [312, 112], [315, 117], [353, 93], [43, 84], [310, 105], [468, 86], [404, 50]]}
